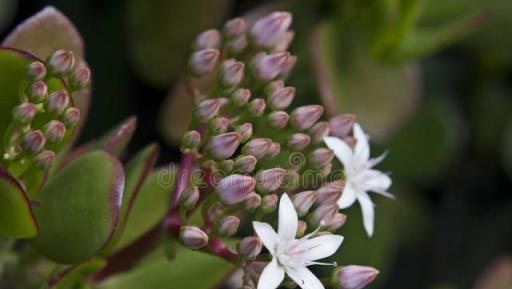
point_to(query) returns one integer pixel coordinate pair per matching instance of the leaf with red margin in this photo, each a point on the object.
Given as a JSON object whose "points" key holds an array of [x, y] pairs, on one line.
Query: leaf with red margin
{"points": [[73, 275], [80, 208], [16, 217], [116, 140]]}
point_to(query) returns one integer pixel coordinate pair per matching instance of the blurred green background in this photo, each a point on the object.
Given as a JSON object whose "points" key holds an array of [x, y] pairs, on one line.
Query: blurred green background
{"points": [[431, 80]]}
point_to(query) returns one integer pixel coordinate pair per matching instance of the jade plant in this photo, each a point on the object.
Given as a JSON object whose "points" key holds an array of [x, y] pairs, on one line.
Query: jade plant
{"points": [[259, 186]]}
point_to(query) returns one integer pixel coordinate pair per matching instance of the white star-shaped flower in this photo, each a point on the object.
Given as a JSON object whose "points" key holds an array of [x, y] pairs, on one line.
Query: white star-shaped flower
{"points": [[291, 255], [360, 177]]}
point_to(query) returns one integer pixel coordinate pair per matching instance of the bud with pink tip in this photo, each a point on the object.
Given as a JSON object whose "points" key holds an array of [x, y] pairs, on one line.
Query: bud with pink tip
{"points": [[257, 147], [245, 164], [45, 158], [36, 70], [288, 66], [208, 39], [298, 141], [54, 131], [61, 62], [232, 72], [37, 91], [33, 141], [273, 150], [285, 42], [238, 45], [305, 116], [336, 222], [303, 202], [278, 119], [270, 66], [193, 238], [80, 78], [224, 145], [301, 229], [245, 131], [235, 27], [219, 125], [204, 61], [326, 170], [250, 247], [189, 197], [354, 276], [268, 31], [24, 113], [324, 214], [341, 125], [235, 188], [241, 96], [208, 109], [71, 116], [228, 225], [213, 212], [270, 180], [252, 201], [319, 131], [257, 107], [330, 192], [57, 102], [269, 203], [191, 140], [274, 86], [281, 98], [320, 157]]}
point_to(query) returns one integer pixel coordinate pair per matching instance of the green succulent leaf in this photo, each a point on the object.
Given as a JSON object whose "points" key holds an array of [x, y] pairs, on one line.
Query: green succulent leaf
{"points": [[16, 218], [80, 208], [72, 276], [116, 140]]}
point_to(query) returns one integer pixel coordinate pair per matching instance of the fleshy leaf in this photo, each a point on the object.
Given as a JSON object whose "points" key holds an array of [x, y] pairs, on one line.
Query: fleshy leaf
{"points": [[16, 218], [72, 276], [116, 140], [80, 208]]}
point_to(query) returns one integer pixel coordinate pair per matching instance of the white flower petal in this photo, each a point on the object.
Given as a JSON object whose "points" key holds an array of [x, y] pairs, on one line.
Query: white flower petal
{"points": [[272, 276], [368, 210], [375, 181], [266, 234], [322, 246], [341, 150], [362, 149], [288, 220], [348, 197], [304, 278]]}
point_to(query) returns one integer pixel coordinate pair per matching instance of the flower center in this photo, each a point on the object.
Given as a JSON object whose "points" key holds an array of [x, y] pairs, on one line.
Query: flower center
{"points": [[290, 253]]}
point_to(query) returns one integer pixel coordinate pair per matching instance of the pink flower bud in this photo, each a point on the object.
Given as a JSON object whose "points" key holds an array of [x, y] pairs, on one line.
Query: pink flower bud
{"points": [[274, 86], [191, 140], [301, 229], [341, 125], [219, 125], [238, 45], [54, 131], [298, 141], [208, 39], [288, 66], [273, 150], [57, 102], [285, 42], [336, 222], [278, 119], [269, 203], [250, 247], [326, 170], [213, 212], [282, 98], [245, 164], [45, 158], [80, 78], [227, 165], [208, 109], [303, 202], [33, 141], [234, 188], [24, 113], [36, 70], [37, 91], [319, 131], [270, 66], [324, 214], [232, 72], [228, 226], [257, 147], [320, 157], [305, 116], [189, 197], [71, 116], [204, 61], [241, 96], [354, 276], [245, 131], [193, 238], [257, 107], [270, 180], [268, 31], [61, 62], [235, 27], [252, 201], [224, 145], [330, 193]]}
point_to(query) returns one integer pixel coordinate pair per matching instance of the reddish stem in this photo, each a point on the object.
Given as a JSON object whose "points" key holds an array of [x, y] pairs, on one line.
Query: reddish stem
{"points": [[186, 165], [218, 248]]}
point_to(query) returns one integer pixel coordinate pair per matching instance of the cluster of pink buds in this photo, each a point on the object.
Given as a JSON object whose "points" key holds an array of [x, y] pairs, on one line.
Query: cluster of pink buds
{"points": [[45, 117]]}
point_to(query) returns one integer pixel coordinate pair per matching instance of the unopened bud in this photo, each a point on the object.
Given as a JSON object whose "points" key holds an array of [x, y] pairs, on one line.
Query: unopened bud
{"points": [[24, 113], [274, 86], [270, 180], [330, 192], [234, 188], [252, 201], [232, 72], [341, 125], [193, 238], [320, 157], [191, 140], [80, 78], [224, 145], [219, 125], [273, 150], [71, 116], [278, 119], [36, 70], [213, 212], [54, 131], [238, 45], [319, 131], [257, 107], [257, 147], [270, 66], [326, 170], [189, 197], [268, 31], [354, 276], [228, 226], [303, 202], [57, 102], [305, 116], [33, 141], [245, 164], [282, 98], [324, 214], [204, 61], [298, 141], [288, 65], [235, 27], [250, 247], [245, 131], [269, 203], [61, 62], [241, 96], [291, 180], [37, 91], [301, 229], [350, 140], [227, 165], [208, 109], [336, 222], [45, 158], [285, 42], [208, 39]]}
